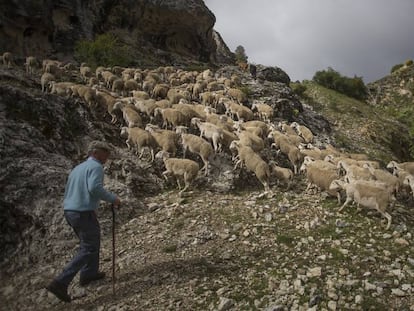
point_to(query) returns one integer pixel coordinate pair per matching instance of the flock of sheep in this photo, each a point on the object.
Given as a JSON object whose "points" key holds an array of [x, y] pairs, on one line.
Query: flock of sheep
{"points": [[168, 109]]}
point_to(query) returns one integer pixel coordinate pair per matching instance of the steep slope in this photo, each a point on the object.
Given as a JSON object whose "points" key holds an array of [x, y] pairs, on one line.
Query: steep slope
{"points": [[234, 248], [46, 28], [361, 126]]}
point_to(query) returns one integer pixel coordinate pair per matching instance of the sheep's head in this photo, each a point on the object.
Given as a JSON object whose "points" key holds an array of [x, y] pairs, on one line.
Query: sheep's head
{"points": [[181, 129], [336, 184], [124, 132], [162, 155], [409, 180], [235, 144]]}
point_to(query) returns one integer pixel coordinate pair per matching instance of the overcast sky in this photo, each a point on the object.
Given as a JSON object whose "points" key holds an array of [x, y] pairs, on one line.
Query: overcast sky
{"points": [[355, 37]]}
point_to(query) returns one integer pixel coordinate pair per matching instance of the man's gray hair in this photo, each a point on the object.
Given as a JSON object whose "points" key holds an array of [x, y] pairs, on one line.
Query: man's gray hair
{"points": [[98, 145]]}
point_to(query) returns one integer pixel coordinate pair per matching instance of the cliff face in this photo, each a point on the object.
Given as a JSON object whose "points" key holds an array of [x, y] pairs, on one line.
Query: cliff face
{"points": [[47, 27]]}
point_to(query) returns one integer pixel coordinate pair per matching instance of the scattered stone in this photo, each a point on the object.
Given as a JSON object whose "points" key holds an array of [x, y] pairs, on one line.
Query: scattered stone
{"points": [[275, 308], [152, 207], [225, 304], [332, 305], [315, 300], [401, 241], [314, 272], [358, 299], [368, 286], [398, 292]]}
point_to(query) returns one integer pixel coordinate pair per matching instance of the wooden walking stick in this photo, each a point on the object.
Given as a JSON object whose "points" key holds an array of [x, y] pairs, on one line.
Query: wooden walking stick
{"points": [[113, 249]]}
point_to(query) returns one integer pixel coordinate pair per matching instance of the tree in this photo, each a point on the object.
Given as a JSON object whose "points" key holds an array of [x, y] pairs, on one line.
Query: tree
{"points": [[240, 54], [353, 87]]}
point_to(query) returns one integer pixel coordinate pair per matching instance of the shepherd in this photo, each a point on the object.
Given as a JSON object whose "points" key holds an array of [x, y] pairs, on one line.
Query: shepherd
{"points": [[83, 192]]}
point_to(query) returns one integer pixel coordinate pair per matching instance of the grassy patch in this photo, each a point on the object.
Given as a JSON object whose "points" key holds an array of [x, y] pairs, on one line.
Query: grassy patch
{"points": [[171, 248], [285, 239]]}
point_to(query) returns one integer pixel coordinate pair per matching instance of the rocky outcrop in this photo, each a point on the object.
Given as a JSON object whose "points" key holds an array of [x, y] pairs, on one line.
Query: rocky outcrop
{"points": [[43, 28]]}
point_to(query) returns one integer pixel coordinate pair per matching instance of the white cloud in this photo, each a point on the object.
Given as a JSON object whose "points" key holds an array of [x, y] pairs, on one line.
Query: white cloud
{"points": [[364, 38]]}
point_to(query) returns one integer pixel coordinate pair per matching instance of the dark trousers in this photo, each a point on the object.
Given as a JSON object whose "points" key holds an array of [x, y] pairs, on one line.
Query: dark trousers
{"points": [[86, 227]]}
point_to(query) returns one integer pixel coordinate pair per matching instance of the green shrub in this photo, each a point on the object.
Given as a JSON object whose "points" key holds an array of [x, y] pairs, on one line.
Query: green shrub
{"points": [[105, 50], [331, 79], [298, 88], [408, 62], [396, 67], [240, 54]]}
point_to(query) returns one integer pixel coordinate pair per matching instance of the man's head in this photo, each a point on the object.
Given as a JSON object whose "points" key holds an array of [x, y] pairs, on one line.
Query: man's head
{"points": [[99, 150]]}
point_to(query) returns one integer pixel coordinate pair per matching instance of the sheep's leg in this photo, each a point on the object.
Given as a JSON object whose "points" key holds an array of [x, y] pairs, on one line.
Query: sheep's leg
{"points": [[295, 169], [308, 187], [186, 183], [338, 195], [178, 183], [165, 173], [266, 186], [348, 199], [215, 144], [141, 153], [152, 155], [237, 164], [184, 151], [389, 218], [205, 167], [128, 144]]}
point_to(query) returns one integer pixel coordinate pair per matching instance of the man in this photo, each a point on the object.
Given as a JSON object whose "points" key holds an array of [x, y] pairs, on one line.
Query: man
{"points": [[83, 192]]}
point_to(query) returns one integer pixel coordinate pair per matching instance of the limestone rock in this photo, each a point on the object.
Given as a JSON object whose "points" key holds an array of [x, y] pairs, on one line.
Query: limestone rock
{"points": [[43, 28]]}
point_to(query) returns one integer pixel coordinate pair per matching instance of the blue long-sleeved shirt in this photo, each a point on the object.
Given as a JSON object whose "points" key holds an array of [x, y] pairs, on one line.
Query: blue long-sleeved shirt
{"points": [[84, 188]]}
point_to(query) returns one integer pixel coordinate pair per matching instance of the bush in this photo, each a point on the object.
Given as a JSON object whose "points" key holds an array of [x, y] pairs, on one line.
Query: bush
{"points": [[396, 67], [408, 62], [106, 50], [298, 89], [331, 79], [240, 54]]}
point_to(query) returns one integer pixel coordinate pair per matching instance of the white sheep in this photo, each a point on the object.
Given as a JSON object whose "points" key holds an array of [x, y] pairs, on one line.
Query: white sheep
{"points": [[367, 194], [130, 114], [166, 139], [404, 166], [140, 95], [322, 177], [282, 174], [131, 85], [409, 181], [303, 131], [234, 109], [160, 91], [30, 64], [355, 171], [87, 93], [253, 163], [286, 128], [140, 140], [45, 80], [85, 72], [264, 111], [210, 131], [179, 168], [171, 117], [237, 94], [198, 145], [118, 86], [61, 88], [7, 59], [384, 176], [291, 151], [250, 139]]}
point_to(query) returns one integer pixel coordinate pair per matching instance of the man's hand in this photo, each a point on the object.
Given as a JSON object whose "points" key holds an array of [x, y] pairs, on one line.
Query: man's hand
{"points": [[117, 202]]}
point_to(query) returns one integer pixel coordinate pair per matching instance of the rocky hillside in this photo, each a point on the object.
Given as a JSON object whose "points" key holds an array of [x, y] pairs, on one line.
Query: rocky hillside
{"points": [[222, 246], [168, 29]]}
